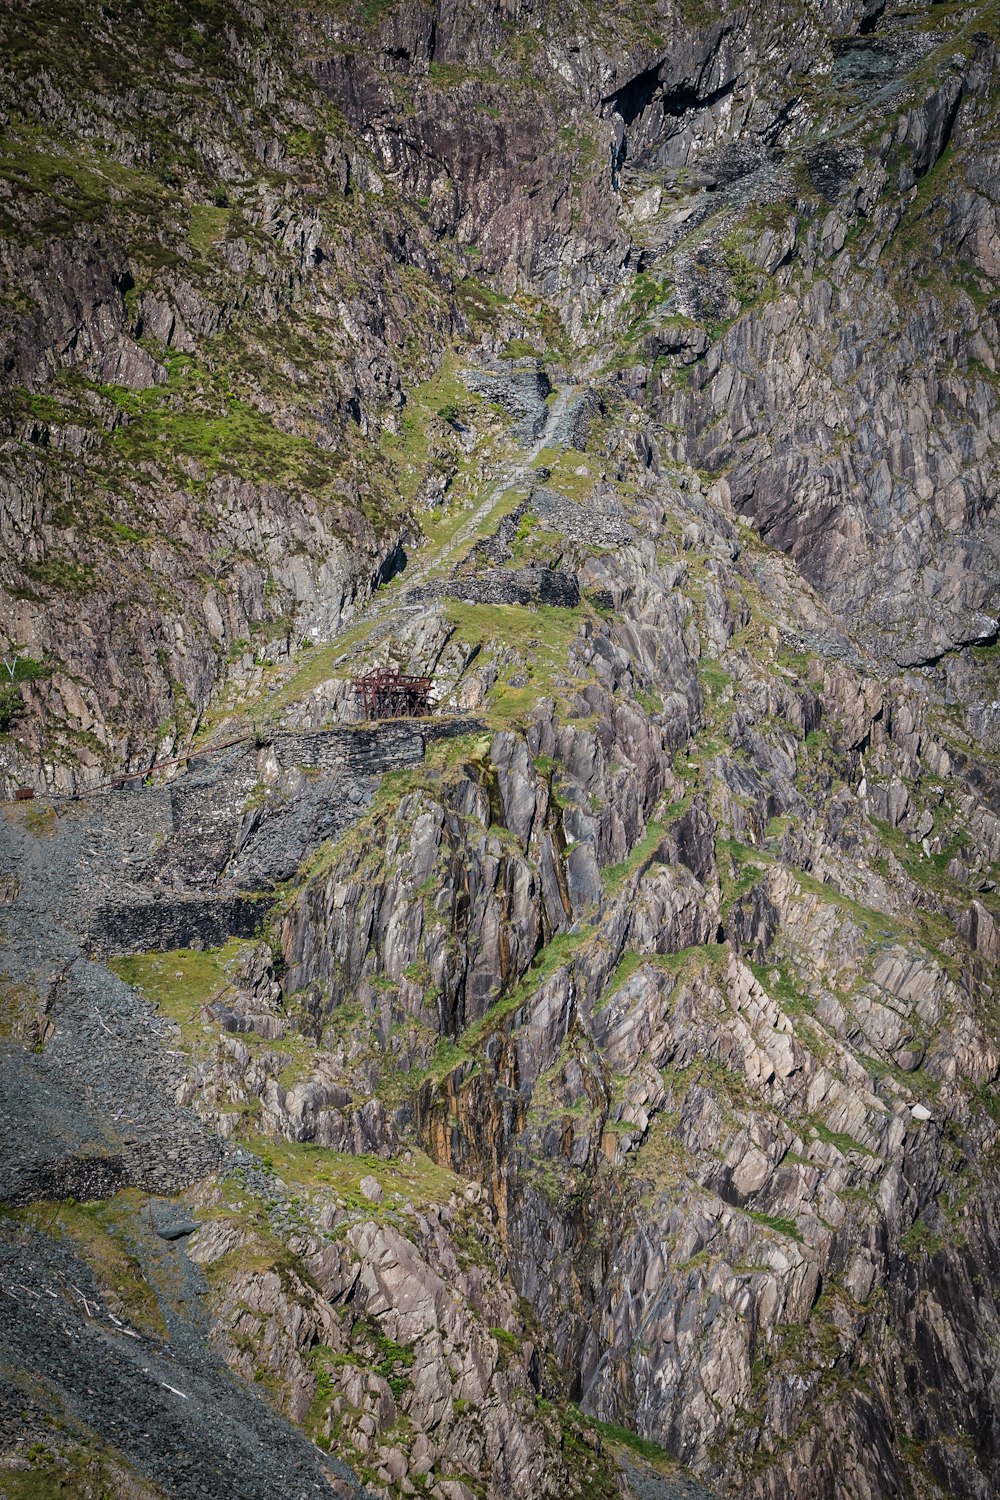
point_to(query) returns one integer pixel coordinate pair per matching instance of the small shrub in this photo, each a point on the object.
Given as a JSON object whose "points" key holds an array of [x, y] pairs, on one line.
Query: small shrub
{"points": [[11, 705], [920, 1239], [508, 1341]]}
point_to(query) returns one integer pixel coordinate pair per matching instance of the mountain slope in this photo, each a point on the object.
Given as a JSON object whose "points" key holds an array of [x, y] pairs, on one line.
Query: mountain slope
{"points": [[591, 1084]]}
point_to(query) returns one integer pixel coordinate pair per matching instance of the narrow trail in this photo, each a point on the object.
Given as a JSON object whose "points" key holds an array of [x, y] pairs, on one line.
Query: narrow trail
{"points": [[514, 474], [376, 620], [384, 606]]}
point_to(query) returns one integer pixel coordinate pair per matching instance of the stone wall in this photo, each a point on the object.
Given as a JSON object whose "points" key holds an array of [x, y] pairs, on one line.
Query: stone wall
{"points": [[524, 586], [172, 922]]}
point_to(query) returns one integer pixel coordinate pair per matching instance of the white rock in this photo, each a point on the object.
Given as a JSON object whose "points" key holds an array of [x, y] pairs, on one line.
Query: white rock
{"points": [[371, 1189], [920, 1112], [646, 206]]}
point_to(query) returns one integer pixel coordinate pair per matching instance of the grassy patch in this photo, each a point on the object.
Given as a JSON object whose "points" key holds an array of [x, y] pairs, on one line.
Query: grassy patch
{"points": [[71, 1473], [624, 1437], [182, 982], [729, 1085], [98, 1231], [442, 528], [78, 180], [451, 1054], [508, 1341], [40, 819], [479, 302], [11, 706], [707, 955], [714, 679], [62, 575], [780, 1226], [316, 666], [874, 924], [740, 869], [22, 1013], [541, 637], [563, 476], [844, 1143], [775, 978], [555, 955], [929, 870], [208, 225], [196, 415], [26, 669], [521, 349], [919, 1239], [424, 440], [394, 1359], [749, 283], [639, 856], [308, 1167], [453, 75]]}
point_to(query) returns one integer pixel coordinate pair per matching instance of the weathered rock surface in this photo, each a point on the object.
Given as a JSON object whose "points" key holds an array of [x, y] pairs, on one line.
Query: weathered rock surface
{"points": [[589, 1088]]}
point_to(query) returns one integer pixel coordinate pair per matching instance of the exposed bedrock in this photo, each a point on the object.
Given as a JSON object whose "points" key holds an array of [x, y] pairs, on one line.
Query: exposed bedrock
{"points": [[853, 410], [587, 1088]]}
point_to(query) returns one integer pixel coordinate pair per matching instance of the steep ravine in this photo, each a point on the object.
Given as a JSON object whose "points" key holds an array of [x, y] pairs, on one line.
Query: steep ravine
{"points": [[590, 1087]]}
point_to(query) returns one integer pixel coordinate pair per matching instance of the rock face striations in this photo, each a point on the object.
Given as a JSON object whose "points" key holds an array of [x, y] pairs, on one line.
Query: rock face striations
{"points": [[589, 1088]]}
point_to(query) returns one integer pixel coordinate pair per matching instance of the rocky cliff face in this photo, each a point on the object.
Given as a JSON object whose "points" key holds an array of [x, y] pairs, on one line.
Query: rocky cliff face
{"points": [[589, 1088]]}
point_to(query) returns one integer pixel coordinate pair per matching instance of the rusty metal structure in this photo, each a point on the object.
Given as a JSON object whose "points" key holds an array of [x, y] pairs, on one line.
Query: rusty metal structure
{"points": [[393, 695]]}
